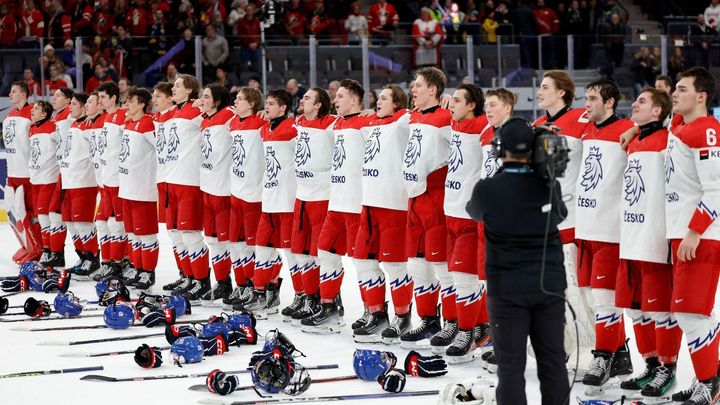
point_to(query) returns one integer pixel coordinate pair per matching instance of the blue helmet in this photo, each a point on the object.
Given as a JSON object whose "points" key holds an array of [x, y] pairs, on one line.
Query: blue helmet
{"points": [[119, 315], [369, 364], [32, 270], [212, 329], [179, 303], [68, 305], [238, 321], [186, 350]]}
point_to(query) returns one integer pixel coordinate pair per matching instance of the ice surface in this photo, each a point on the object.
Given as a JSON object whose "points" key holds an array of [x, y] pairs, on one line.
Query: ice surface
{"points": [[19, 352]]}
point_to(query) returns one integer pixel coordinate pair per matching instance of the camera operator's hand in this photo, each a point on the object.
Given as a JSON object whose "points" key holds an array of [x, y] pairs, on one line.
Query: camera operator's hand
{"points": [[688, 246]]}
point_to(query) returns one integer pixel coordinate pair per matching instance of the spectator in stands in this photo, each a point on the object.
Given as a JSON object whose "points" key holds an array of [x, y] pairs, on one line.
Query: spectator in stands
{"points": [[472, 21], [427, 36], [453, 24], [547, 24], [223, 78], [158, 40], [137, 19], [65, 76], [124, 85], [171, 73], [382, 20], [614, 42], [254, 82], [56, 79], [372, 99], [332, 89], [641, 68], [81, 15], [506, 19], [67, 55], [356, 25], [677, 63], [700, 36], [186, 17], [59, 23], [320, 23], [99, 76], [8, 27], [294, 21], [237, 12], [32, 26], [215, 51], [248, 29], [576, 25], [297, 92], [48, 59], [664, 83], [437, 13], [591, 14], [185, 59], [214, 13], [712, 15], [490, 27], [126, 45], [103, 19], [29, 79], [610, 9], [525, 27], [109, 68]]}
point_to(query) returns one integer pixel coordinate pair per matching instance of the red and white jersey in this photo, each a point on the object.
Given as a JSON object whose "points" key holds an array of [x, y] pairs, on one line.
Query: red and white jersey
{"points": [[464, 167], [599, 186], [347, 161], [77, 168], [108, 146], [183, 159], [572, 124], [248, 155], [692, 178], [16, 129], [96, 128], [642, 230], [490, 161], [215, 147], [427, 148], [161, 127], [382, 176], [62, 121], [44, 168], [313, 157], [279, 185], [138, 161]]}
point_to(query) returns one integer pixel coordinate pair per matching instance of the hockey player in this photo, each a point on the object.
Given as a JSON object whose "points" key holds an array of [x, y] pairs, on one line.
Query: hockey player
{"points": [[313, 159], [16, 127], [215, 185], [109, 142], [555, 95], [164, 111], [44, 172], [644, 279], [692, 168], [185, 203], [381, 234], [598, 191], [138, 185], [80, 187], [246, 189], [464, 171], [274, 231], [424, 171]]}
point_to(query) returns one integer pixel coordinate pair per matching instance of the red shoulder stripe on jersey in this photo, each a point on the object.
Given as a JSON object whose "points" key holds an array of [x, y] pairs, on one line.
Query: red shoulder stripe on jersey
{"points": [[354, 122], [24, 112], [187, 112], [473, 126], [47, 128], [318, 123], [655, 142], [253, 122], [701, 133], [283, 132], [438, 118]]}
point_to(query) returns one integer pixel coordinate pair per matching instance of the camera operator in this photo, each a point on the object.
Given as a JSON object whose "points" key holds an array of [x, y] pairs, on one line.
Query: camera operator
{"points": [[514, 205]]}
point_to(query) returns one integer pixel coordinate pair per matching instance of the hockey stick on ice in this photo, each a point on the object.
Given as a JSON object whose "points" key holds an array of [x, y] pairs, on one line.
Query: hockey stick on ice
{"points": [[103, 378], [56, 318], [92, 309], [103, 354], [203, 387], [48, 372], [350, 397], [81, 327], [103, 340]]}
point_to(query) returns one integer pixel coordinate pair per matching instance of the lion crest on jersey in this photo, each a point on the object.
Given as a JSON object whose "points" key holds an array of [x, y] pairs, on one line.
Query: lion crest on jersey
{"points": [[160, 140], [634, 184], [205, 145], [491, 163], [593, 169], [412, 153], [302, 151], [173, 140], [93, 145], [68, 141], [102, 141], [9, 132], [372, 145], [35, 152], [669, 164], [339, 152], [455, 159], [272, 166], [238, 154], [124, 148]]}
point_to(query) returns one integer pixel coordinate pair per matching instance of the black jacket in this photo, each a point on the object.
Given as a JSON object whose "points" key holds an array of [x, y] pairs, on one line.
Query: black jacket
{"points": [[510, 203]]}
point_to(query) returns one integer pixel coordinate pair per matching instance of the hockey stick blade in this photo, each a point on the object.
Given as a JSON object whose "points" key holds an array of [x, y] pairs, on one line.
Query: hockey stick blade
{"points": [[214, 401], [103, 378], [104, 354], [203, 387], [103, 340], [48, 372]]}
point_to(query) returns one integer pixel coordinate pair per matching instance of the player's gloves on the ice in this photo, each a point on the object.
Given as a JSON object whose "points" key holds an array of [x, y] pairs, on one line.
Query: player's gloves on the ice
{"points": [[15, 284], [481, 392], [246, 335], [175, 332], [157, 317], [392, 380], [36, 309], [221, 383], [214, 345], [148, 357], [148, 303], [425, 366], [4, 304], [57, 282]]}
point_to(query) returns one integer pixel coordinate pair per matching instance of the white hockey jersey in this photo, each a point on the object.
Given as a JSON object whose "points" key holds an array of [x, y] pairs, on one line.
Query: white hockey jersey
{"points": [[599, 186], [279, 185], [313, 157], [464, 167], [215, 146], [184, 157], [96, 128], [382, 182], [490, 162], [248, 157], [44, 168], [427, 148], [16, 129], [108, 146], [62, 122], [162, 119], [77, 168], [138, 161], [642, 230], [347, 160], [692, 178]]}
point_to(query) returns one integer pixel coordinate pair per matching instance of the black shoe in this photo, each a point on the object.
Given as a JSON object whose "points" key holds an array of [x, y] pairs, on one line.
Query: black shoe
{"points": [[363, 319], [129, 275], [297, 303], [221, 291], [175, 284], [661, 384], [310, 307], [399, 325], [622, 363], [372, 331], [705, 393], [145, 279], [599, 371], [684, 395], [88, 266], [109, 270], [441, 340], [186, 284], [637, 383], [199, 287], [429, 326], [483, 336], [490, 362], [462, 348], [56, 260], [327, 320], [239, 295], [256, 305], [272, 297]]}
